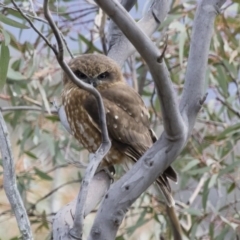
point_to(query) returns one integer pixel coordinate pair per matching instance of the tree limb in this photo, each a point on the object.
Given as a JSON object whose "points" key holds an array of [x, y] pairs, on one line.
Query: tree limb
{"points": [[125, 191], [120, 48], [192, 97], [63, 220], [9, 184]]}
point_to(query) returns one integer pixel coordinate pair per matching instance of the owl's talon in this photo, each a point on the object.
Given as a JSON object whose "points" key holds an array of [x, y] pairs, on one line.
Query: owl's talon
{"points": [[110, 171]]}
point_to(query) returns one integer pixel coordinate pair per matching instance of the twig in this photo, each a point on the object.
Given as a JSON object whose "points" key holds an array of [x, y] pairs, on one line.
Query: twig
{"points": [[26, 108], [31, 100], [229, 107], [197, 189], [33, 27], [66, 45], [28, 15], [53, 191], [10, 185], [5, 97], [210, 122]]}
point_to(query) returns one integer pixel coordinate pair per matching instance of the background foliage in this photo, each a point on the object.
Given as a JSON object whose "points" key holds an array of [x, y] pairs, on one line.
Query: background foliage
{"points": [[30, 77]]}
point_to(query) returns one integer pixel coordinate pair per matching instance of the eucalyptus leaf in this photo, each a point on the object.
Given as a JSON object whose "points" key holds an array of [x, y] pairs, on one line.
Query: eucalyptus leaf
{"points": [[4, 62], [42, 174], [12, 22]]}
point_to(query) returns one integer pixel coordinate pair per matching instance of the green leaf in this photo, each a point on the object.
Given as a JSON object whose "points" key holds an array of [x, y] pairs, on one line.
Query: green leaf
{"points": [[229, 168], [213, 180], [190, 165], [222, 80], [42, 175], [52, 118], [199, 171], [12, 22], [205, 194], [14, 75], [182, 40], [211, 230], [4, 61], [7, 37], [194, 212], [169, 19], [120, 238], [231, 188], [30, 154]]}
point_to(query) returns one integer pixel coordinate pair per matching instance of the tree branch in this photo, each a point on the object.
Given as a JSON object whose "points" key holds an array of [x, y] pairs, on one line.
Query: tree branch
{"points": [[63, 220], [192, 97], [10, 185], [106, 144], [26, 108], [125, 191], [120, 48]]}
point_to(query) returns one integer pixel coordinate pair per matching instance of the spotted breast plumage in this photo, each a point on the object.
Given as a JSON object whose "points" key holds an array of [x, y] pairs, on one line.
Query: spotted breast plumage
{"points": [[126, 115]]}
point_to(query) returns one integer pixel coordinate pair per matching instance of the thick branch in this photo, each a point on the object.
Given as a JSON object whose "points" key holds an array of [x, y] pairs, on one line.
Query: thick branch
{"points": [[124, 192], [116, 38], [120, 48], [9, 183], [192, 97]]}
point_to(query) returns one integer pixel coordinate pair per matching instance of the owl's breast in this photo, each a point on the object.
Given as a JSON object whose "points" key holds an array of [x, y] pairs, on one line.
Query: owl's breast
{"points": [[84, 128], [81, 124]]}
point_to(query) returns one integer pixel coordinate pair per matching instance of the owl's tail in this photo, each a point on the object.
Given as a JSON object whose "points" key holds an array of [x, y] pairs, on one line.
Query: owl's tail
{"points": [[164, 185], [165, 191]]}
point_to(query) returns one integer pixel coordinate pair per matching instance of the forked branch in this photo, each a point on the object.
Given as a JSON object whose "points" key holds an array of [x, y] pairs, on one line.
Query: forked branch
{"points": [[124, 192]]}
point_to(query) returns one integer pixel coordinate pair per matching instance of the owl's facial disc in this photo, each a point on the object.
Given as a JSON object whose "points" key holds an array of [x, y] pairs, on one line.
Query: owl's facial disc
{"points": [[94, 81]]}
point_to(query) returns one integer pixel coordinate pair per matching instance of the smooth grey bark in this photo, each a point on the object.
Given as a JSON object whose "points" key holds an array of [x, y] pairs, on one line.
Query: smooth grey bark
{"points": [[150, 24], [176, 132], [63, 220], [120, 48], [9, 183]]}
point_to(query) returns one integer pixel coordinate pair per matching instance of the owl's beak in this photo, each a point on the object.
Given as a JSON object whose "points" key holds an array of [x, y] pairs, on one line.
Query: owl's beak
{"points": [[92, 81]]}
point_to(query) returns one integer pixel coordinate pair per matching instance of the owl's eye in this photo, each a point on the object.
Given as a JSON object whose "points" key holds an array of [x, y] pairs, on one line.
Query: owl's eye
{"points": [[103, 75], [80, 75]]}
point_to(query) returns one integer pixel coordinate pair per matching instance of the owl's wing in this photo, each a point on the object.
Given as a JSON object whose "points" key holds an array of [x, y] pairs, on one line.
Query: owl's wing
{"points": [[127, 122], [127, 119]]}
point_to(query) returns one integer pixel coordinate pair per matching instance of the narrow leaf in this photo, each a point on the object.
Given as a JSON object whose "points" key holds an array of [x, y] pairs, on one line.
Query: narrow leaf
{"points": [[4, 61], [42, 174], [190, 165], [12, 22], [7, 37]]}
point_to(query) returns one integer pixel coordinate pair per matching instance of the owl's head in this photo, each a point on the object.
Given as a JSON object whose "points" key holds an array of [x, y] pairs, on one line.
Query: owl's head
{"points": [[95, 69]]}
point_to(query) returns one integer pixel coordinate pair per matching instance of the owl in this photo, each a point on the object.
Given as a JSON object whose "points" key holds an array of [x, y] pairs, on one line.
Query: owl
{"points": [[126, 115]]}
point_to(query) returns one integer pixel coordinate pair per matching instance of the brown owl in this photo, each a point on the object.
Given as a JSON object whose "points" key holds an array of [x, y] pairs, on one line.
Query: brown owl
{"points": [[126, 115]]}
